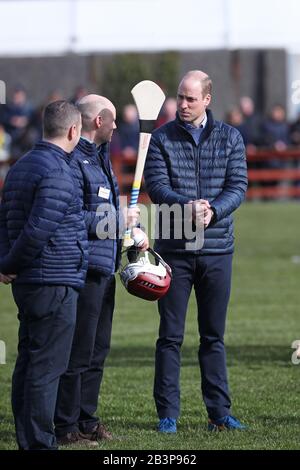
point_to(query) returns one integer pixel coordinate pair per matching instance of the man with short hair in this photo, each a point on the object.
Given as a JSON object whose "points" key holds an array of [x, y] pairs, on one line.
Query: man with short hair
{"points": [[99, 194], [43, 250], [196, 161]]}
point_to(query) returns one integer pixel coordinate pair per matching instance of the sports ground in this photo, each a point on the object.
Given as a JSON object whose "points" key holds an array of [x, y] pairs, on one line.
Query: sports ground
{"points": [[263, 321]]}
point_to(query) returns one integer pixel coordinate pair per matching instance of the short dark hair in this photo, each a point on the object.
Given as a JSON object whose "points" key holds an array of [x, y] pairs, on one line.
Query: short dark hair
{"points": [[58, 117]]}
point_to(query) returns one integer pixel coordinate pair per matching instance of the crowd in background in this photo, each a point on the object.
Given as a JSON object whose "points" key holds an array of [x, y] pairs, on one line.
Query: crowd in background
{"points": [[272, 131], [21, 126]]}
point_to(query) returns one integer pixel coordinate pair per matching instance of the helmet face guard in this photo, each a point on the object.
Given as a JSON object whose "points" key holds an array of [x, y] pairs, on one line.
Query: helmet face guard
{"points": [[146, 280]]}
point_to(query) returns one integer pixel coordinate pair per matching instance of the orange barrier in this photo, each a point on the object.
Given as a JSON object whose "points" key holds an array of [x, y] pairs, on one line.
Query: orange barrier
{"points": [[265, 182], [124, 168]]}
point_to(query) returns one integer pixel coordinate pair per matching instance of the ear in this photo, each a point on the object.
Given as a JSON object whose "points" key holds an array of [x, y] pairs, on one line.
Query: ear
{"points": [[207, 100], [72, 133], [99, 121]]}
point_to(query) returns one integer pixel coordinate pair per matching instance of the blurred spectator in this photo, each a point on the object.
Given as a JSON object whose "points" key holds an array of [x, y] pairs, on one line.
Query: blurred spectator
{"points": [[5, 153], [79, 93], [235, 119], [5, 145], [276, 129], [295, 132], [34, 131], [54, 95], [168, 112], [252, 126], [128, 131], [17, 116], [276, 135], [18, 113]]}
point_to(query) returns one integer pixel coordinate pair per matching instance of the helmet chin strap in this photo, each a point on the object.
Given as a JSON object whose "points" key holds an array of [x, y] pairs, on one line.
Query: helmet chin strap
{"points": [[145, 259], [160, 260], [144, 279]]}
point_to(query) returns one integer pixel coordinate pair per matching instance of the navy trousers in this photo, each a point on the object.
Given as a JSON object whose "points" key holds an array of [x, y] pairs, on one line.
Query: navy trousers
{"points": [[47, 319], [79, 387], [211, 278]]}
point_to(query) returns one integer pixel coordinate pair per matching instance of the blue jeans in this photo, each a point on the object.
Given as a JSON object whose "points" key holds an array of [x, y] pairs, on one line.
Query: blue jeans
{"points": [[47, 320], [211, 278]]}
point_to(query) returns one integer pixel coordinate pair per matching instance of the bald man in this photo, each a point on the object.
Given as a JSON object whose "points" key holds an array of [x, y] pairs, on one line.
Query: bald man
{"points": [[75, 420], [199, 162]]}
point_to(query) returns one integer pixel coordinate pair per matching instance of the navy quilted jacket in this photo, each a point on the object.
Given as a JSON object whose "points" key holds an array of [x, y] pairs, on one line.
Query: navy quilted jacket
{"points": [[177, 171], [42, 232], [93, 173]]}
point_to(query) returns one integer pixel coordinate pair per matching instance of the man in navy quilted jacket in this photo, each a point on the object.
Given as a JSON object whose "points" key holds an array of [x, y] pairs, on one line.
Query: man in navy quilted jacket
{"points": [[198, 163], [43, 249], [77, 402]]}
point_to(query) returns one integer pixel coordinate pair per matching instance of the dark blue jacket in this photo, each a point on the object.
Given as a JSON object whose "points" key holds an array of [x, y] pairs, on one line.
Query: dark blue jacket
{"points": [[42, 232], [92, 170], [177, 171]]}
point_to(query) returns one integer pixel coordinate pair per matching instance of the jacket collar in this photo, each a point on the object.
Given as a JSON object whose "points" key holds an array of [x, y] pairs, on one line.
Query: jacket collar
{"points": [[103, 153], [88, 148], [206, 131], [44, 145]]}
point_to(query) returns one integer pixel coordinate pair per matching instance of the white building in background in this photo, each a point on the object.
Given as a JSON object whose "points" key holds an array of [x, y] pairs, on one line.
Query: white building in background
{"points": [[56, 26], [52, 27]]}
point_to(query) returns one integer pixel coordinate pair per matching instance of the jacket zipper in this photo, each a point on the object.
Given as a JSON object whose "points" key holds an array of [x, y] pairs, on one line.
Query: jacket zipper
{"points": [[197, 150], [116, 243]]}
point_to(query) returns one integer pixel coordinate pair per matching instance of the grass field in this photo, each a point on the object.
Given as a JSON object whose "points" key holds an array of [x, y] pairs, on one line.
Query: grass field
{"points": [[263, 320]]}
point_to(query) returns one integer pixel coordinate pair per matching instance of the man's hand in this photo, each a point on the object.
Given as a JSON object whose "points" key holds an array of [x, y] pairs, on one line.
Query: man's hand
{"points": [[131, 216], [7, 278], [140, 238], [201, 212], [208, 217]]}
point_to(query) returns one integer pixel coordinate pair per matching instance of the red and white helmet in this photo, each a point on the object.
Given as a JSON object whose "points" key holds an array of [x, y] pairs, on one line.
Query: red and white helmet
{"points": [[146, 280]]}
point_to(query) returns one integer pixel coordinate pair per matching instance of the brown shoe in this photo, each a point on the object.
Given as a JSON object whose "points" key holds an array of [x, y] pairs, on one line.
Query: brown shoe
{"points": [[76, 439], [99, 433]]}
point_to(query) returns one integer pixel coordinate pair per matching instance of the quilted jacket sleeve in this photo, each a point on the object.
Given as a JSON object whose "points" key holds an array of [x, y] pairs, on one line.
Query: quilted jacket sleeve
{"points": [[236, 181], [52, 198], [157, 179]]}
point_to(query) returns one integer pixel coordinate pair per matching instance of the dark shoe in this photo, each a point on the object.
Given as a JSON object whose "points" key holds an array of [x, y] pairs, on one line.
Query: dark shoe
{"points": [[76, 439], [99, 433], [226, 423]]}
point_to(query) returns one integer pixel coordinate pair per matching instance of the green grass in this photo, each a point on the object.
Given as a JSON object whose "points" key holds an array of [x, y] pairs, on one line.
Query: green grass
{"points": [[263, 320]]}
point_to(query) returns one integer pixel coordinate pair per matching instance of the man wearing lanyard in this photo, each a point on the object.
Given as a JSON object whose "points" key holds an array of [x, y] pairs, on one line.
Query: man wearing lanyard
{"points": [[78, 393]]}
